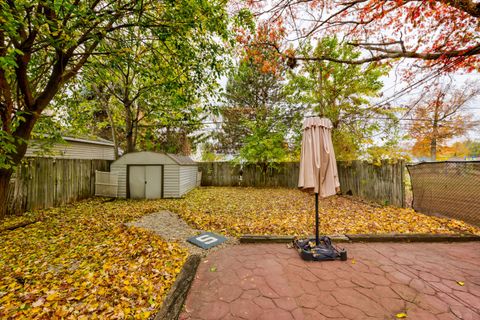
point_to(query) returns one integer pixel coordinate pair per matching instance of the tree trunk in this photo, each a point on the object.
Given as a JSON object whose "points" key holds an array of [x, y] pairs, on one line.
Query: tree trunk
{"points": [[129, 137], [433, 143], [5, 176], [433, 149], [114, 131], [22, 136], [129, 128]]}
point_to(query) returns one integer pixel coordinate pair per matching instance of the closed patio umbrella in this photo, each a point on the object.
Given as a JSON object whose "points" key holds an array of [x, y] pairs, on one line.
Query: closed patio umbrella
{"points": [[318, 167]]}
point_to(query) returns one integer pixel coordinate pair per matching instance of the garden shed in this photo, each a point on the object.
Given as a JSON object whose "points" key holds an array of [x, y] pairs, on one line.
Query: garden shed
{"points": [[151, 175]]}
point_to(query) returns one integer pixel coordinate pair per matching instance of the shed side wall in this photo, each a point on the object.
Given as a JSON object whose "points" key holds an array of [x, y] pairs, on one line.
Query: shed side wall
{"points": [[188, 178], [170, 181]]}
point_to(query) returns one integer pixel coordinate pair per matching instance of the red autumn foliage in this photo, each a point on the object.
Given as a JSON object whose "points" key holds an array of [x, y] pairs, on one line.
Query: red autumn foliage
{"points": [[442, 34], [260, 47]]}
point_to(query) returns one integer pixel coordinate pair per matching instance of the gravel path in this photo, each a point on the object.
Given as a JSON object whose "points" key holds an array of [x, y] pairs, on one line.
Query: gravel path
{"points": [[172, 228]]}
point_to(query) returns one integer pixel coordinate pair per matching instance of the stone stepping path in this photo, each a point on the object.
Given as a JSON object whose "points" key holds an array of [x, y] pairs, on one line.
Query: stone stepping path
{"points": [[380, 280], [172, 228]]}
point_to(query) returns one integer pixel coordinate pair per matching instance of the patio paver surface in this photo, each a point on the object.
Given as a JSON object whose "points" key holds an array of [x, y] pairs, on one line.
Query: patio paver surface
{"points": [[380, 280]]}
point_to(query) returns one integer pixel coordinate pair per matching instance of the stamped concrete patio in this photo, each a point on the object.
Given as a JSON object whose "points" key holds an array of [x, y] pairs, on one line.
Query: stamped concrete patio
{"points": [[379, 281]]}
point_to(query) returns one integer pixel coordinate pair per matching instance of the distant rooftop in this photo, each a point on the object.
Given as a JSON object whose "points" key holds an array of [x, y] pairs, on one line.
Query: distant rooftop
{"points": [[95, 140], [181, 159]]}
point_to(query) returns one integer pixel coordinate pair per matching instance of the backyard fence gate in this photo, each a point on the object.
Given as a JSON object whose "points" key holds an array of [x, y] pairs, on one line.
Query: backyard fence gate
{"points": [[450, 189], [106, 184]]}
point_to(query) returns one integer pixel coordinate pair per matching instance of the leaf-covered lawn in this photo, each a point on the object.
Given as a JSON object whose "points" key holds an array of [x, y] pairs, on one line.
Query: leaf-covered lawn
{"points": [[80, 262], [237, 211]]}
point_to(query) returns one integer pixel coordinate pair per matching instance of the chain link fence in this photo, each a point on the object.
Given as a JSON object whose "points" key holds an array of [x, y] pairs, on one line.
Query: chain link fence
{"points": [[450, 189]]}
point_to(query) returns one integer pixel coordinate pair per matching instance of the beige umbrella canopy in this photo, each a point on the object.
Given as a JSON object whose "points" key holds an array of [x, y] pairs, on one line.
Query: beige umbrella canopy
{"points": [[318, 167]]}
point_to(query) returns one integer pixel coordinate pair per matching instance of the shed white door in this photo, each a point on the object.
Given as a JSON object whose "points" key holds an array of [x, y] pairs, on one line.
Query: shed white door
{"points": [[136, 178], [145, 182]]}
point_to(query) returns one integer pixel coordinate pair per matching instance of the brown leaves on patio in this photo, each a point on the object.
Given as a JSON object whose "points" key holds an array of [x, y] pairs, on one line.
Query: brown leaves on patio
{"points": [[80, 262], [237, 211]]}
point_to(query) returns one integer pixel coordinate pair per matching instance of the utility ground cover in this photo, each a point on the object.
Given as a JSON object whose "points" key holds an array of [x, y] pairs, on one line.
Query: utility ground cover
{"points": [[81, 261]]}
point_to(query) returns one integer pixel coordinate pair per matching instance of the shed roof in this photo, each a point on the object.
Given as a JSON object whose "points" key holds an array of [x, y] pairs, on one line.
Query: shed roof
{"points": [[184, 160], [90, 140], [148, 157]]}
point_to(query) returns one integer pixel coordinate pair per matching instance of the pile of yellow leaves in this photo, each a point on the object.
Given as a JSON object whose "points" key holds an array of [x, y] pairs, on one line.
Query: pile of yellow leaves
{"points": [[237, 211], [80, 262]]}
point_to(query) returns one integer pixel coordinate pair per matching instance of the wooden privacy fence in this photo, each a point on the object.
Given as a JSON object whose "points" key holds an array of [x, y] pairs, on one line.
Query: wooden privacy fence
{"points": [[383, 184], [450, 189], [47, 182], [228, 174]]}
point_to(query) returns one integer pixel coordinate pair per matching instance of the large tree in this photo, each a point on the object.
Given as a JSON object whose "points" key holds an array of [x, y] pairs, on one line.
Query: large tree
{"points": [[44, 44], [341, 93], [255, 115], [252, 95], [257, 118], [153, 82], [440, 115]]}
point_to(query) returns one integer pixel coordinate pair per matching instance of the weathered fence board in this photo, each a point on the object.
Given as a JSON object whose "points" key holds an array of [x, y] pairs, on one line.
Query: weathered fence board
{"points": [[380, 183], [383, 184], [450, 189], [46, 182]]}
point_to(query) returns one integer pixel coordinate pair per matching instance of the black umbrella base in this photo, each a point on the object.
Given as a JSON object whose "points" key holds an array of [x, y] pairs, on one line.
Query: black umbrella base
{"points": [[324, 251]]}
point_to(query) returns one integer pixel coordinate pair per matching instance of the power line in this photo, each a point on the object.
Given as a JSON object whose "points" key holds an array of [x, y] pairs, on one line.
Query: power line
{"points": [[186, 122]]}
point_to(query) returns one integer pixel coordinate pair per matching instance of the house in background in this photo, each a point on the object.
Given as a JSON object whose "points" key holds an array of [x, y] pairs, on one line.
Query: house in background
{"points": [[74, 148]]}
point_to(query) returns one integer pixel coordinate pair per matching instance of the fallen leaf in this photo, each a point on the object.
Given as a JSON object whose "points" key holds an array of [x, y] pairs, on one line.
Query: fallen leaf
{"points": [[38, 303], [461, 283], [401, 315], [52, 297], [273, 211]]}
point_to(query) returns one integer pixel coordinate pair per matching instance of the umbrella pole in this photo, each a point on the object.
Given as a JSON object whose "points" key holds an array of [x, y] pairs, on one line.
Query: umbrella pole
{"points": [[317, 240]]}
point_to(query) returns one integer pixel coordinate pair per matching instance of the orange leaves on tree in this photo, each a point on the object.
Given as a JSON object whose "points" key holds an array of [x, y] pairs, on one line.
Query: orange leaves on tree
{"points": [[262, 47], [441, 115], [423, 28]]}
